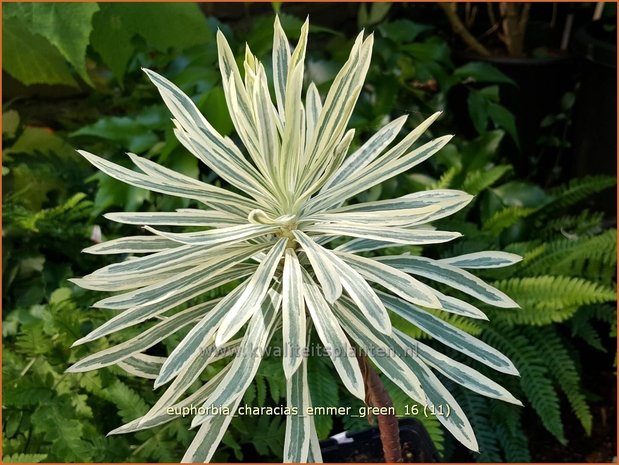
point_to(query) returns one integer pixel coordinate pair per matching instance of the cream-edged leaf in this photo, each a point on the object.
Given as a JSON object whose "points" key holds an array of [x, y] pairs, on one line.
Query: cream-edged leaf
{"points": [[458, 372], [334, 339], [251, 298], [142, 341], [366, 153], [394, 280], [325, 271], [298, 427], [293, 314], [486, 259], [132, 244], [396, 235], [450, 335], [201, 333], [136, 315], [452, 276], [142, 365], [245, 364], [212, 237], [211, 218], [179, 409]]}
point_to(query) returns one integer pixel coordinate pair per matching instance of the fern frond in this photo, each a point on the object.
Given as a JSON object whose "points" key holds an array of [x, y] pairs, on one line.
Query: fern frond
{"points": [[447, 178], [564, 255], [479, 180], [507, 421], [584, 224], [582, 327], [536, 385], [130, 405], [563, 369], [549, 299], [54, 221], [24, 458], [578, 190], [477, 411], [505, 218]]}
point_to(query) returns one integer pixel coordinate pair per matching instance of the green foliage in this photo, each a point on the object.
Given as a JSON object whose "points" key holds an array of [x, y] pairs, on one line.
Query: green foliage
{"points": [[550, 299], [38, 62], [66, 27], [45, 37], [51, 203], [24, 458], [535, 381], [578, 190]]}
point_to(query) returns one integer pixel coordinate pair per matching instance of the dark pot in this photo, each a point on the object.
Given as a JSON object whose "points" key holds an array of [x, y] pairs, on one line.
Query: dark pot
{"points": [[365, 446], [541, 82], [595, 110]]}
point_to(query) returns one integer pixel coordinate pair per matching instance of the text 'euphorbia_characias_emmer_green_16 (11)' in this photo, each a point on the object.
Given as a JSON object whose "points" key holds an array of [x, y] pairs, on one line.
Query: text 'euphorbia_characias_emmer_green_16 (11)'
{"points": [[290, 195]]}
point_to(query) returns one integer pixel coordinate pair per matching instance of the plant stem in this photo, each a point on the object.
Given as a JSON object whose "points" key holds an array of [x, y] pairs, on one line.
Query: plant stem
{"points": [[377, 396], [460, 29]]}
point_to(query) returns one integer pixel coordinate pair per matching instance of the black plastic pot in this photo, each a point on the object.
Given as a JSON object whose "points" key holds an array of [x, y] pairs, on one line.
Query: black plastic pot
{"points": [[365, 446], [541, 82], [595, 110]]}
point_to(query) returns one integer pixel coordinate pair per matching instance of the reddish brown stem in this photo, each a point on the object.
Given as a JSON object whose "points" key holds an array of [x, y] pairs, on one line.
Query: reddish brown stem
{"points": [[377, 396]]}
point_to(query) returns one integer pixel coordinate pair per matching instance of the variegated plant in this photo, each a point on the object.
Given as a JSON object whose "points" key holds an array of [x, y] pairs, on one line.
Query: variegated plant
{"points": [[273, 239]]}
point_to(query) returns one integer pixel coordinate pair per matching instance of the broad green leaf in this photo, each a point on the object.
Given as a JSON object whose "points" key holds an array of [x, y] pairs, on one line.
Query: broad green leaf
{"points": [[482, 72], [67, 26], [127, 131], [30, 58], [163, 26]]}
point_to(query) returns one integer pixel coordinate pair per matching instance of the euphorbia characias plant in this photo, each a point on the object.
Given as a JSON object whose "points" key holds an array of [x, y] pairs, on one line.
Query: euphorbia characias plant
{"points": [[296, 179]]}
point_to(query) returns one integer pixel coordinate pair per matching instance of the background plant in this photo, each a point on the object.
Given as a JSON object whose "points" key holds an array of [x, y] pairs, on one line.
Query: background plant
{"points": [[46, 226]]}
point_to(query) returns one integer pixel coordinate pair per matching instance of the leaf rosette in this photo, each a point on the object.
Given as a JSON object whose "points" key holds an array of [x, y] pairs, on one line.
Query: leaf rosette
{"points": [[271, 231]]}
